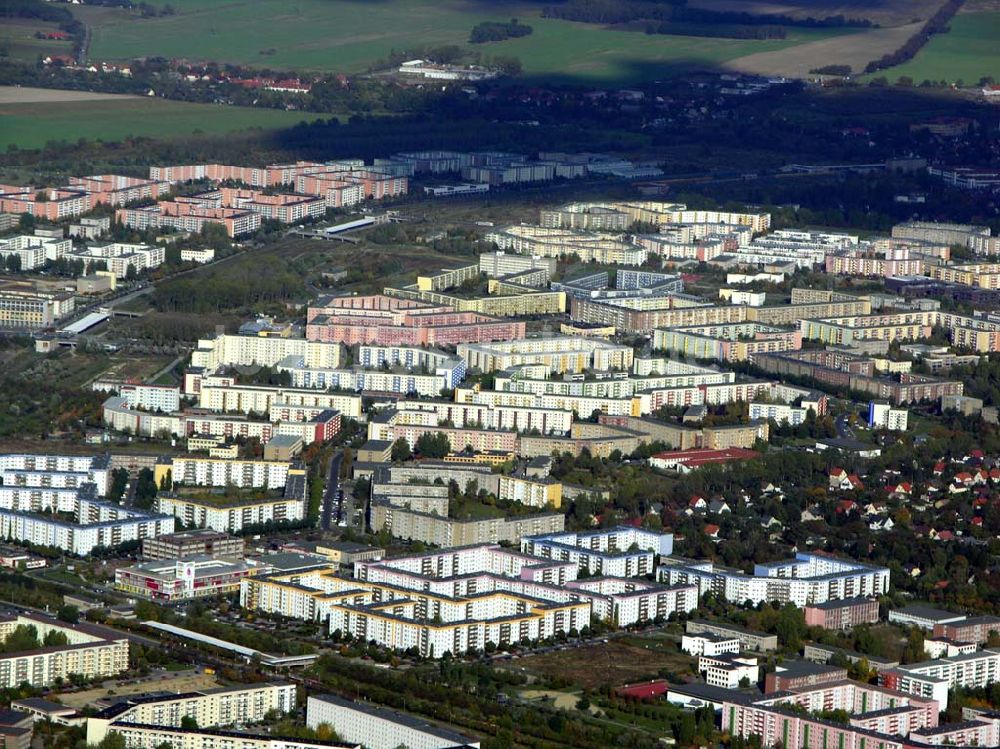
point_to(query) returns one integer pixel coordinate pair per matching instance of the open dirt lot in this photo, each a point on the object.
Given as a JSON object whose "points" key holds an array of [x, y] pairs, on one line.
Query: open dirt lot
{"points": [[28, 95], [610, 663], [856, 50]]}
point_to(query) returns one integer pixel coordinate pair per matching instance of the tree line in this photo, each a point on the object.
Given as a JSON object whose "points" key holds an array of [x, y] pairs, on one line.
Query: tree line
{"points": [[937, 24], [494, 31]]}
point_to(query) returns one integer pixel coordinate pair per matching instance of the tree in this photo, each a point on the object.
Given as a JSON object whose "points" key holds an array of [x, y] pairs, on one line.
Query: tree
{"points": [[189, 722], [68, 613], [401, 450], [113, 740], [435, 445], [119, 483]]}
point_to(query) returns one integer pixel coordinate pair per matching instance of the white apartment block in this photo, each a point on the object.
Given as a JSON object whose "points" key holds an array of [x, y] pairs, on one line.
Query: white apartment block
{"points": [[120, 257], [156, 737], [265, 351], [118, 415], [884, 416], [500, 264], [230, 518], [779, 412], [379, 727], [225, 706], [358, 380], [458, 599], [472, 415], [162, 398], [198, 471], [560, 354], [806, 579], [934, 679], [617, 552], [38, 491], [587, 247], [90, 652], [33, 252], [259, 399], [728, 671]]}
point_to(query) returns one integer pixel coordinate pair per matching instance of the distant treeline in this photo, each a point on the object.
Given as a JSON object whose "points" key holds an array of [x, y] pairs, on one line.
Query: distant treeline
{"points": [[937, 24], [721, 31], [493, 31], [676, 11], [42, 11]]}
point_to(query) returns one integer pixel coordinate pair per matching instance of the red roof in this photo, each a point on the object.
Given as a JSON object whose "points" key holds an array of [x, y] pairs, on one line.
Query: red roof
{"points": [[644, 690], [711, 529], [697, 457]]}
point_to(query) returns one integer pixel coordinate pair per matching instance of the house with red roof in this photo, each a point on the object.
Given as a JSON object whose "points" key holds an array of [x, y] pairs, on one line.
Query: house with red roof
{"points": [[712, 530]]}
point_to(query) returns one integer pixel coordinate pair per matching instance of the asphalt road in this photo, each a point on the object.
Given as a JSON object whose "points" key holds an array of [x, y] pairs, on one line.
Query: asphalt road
{"points": [[330, 495]]}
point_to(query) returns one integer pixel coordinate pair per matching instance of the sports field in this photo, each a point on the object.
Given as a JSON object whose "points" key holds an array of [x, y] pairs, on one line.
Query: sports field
{"points": [[32, 124], [969, 51], [353, 35]]}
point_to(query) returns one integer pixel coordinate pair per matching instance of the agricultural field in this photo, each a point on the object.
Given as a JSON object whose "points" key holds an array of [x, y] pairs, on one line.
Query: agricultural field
{"points": [[880, 12], [968, 52], [68, 116], [321, 35], [18, 41]]}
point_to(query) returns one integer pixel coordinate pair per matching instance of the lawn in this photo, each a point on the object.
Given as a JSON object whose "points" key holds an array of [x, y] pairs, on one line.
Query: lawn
{"points": [[337, 35], [969, 51], [33, 125], [17, 38]]}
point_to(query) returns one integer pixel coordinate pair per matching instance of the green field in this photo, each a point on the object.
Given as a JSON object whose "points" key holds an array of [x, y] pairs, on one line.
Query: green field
{"points": [[969, 51], [17, 40], [33, 125], [351, 35]]}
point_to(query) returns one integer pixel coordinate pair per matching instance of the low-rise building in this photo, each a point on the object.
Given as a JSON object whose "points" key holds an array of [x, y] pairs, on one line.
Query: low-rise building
{"points": [[709, 645], [923, 616], [196, 543], [172, 580], [749, 640], [379, 727], [842, 614], [790, 675]]}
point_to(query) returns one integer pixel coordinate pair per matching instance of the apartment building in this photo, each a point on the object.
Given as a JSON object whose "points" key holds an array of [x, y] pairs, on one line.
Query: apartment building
{"points": [[732, 342], [587, 247], [33, 251], [388, 321], [660, 213], [378, 727], [457, 599], [935, 678], [173, 580], [261, 350], [939, 233], [259, 399], [842, 614], [230, 517], [558, 353], [976, 629], [980, 275], [189, 544], [40, 493], [531, 492], [145, 397], [807, 579], [26, 305], [189, 217], [191, 470], [283, 207], [211, 708], [119, 258], [432, 528], [883, 416], [90, 652], [503, 299], [618, 552]]}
